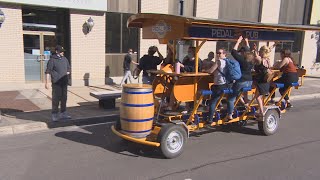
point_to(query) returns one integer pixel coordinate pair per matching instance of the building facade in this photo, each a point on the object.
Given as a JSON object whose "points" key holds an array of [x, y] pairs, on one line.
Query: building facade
{"points": [[32, 28]]}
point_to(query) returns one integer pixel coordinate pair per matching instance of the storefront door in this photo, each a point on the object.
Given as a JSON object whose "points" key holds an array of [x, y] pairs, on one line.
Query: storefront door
{"points": [[38, 47]]}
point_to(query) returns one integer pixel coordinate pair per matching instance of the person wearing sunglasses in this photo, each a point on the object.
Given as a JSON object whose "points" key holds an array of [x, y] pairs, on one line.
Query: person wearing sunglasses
{"points": [[220, 83]]}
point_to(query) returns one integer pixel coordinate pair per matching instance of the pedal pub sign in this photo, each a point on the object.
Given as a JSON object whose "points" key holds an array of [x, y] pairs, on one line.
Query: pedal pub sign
{"points": [[234, 33]]}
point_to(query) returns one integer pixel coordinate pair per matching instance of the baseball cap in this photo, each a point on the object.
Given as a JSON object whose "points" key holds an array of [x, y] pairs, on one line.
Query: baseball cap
{"points": [[60, 49]]}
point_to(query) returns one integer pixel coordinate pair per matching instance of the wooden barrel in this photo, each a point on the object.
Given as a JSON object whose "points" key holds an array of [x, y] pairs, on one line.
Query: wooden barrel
{"points": [[136, 110]]}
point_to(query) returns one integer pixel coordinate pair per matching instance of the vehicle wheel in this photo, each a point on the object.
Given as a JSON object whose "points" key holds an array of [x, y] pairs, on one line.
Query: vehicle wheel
{"points": [[270, 124], [172, 139]]}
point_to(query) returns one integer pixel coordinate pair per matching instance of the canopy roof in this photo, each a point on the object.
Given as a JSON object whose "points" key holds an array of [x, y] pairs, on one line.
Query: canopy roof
{"points": [[138, 20], [168, 27]]}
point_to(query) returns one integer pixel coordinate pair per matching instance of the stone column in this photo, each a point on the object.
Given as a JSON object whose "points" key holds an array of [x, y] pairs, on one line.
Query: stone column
{"points": [[270, 14], [11, 47], [207, 9], [87, 49]]}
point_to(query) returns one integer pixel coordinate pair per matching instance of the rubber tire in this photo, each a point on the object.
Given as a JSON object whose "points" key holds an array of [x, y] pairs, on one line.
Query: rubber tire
{"points": [[163, 135], [262, 125]]}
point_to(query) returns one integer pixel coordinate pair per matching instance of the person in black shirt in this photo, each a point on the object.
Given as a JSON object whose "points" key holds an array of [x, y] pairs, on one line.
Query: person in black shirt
{"points": [[58, 68], [126, 67], [245, 59], [149, 62], [188, 63]]}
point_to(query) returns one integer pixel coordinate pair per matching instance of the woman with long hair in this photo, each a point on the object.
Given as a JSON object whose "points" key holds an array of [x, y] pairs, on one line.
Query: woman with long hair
{"points": [[289, 76], [262, 64]]}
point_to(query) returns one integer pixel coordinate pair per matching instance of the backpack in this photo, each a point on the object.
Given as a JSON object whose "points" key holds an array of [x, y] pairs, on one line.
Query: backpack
{"points": [[233, 70]]}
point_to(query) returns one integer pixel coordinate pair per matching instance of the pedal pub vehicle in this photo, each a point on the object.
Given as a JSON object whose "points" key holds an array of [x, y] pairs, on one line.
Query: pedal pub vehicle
{"points": [[142, 116]]}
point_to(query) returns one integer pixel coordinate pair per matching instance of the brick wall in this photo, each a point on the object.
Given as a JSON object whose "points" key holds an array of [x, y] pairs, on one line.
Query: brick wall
{"points": [[11, 46], [309, 54], [87, 50]]}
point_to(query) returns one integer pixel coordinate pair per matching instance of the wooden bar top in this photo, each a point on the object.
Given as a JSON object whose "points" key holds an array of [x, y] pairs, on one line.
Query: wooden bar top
{"points": [[185, 74]]}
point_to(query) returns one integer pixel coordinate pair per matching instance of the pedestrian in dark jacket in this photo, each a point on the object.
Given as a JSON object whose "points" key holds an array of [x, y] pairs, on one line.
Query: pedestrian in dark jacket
{"points": [[58, 68]]}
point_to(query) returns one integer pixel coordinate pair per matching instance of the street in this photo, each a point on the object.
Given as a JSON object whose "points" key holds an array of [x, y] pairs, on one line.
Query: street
{"points": [[94, 152]]}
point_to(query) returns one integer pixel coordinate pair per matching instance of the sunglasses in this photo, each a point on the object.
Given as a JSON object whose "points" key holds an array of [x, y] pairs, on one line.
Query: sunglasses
{"points": [[219, 53]]}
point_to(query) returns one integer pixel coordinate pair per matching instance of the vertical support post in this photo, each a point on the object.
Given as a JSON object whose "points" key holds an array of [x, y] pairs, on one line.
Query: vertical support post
{"points": [[174, 51], [196, 71]]}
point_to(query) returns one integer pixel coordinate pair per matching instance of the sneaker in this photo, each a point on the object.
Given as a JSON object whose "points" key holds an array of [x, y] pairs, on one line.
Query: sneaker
{"points": [[289, 105], [64, 115], [54, 117], [184, 112]]}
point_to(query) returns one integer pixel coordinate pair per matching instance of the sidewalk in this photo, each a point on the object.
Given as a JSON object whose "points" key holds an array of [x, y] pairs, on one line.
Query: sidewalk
{"points": [[30, 109]]}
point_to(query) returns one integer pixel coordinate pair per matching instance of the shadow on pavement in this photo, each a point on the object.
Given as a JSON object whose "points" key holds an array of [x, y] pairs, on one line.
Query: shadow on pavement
{"points": [[83, 114], [102, 136]]}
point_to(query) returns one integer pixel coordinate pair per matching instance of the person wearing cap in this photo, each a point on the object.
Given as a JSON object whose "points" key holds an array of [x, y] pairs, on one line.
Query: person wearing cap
{"points": [[58, 69], [149, 62], [245, 59]]}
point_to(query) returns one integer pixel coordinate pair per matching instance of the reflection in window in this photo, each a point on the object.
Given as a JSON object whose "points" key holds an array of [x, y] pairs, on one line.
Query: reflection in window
{"points": [[292, 46], [229, 45], [318, 46], [129, 36], [119, 38]]}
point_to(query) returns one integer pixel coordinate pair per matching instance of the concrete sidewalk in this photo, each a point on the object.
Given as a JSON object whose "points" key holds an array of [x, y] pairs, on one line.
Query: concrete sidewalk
{"points": [[29, 110]]}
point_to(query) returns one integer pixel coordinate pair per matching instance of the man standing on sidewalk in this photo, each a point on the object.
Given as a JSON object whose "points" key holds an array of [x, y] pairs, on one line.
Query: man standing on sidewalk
{"points": [[126, 67], [58, 68]]}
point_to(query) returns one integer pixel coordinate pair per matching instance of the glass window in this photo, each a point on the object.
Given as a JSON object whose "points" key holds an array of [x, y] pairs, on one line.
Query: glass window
{"points": [[292, 46], [228, 45], [129, 36], [318, 47], [119, 38], [113, 30], [245, 10]]}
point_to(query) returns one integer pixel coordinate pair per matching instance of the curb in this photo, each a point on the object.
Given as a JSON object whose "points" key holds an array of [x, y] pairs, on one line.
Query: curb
{"points": [[41, 126], [306, 96]]}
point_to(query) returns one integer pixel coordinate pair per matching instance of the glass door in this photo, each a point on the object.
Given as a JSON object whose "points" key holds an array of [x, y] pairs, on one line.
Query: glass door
{"points": [[38, 47]]}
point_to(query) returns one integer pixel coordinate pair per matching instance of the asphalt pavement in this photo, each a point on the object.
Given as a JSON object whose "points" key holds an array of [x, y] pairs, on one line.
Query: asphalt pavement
{"points": [[29, 110], [94, 152]]}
